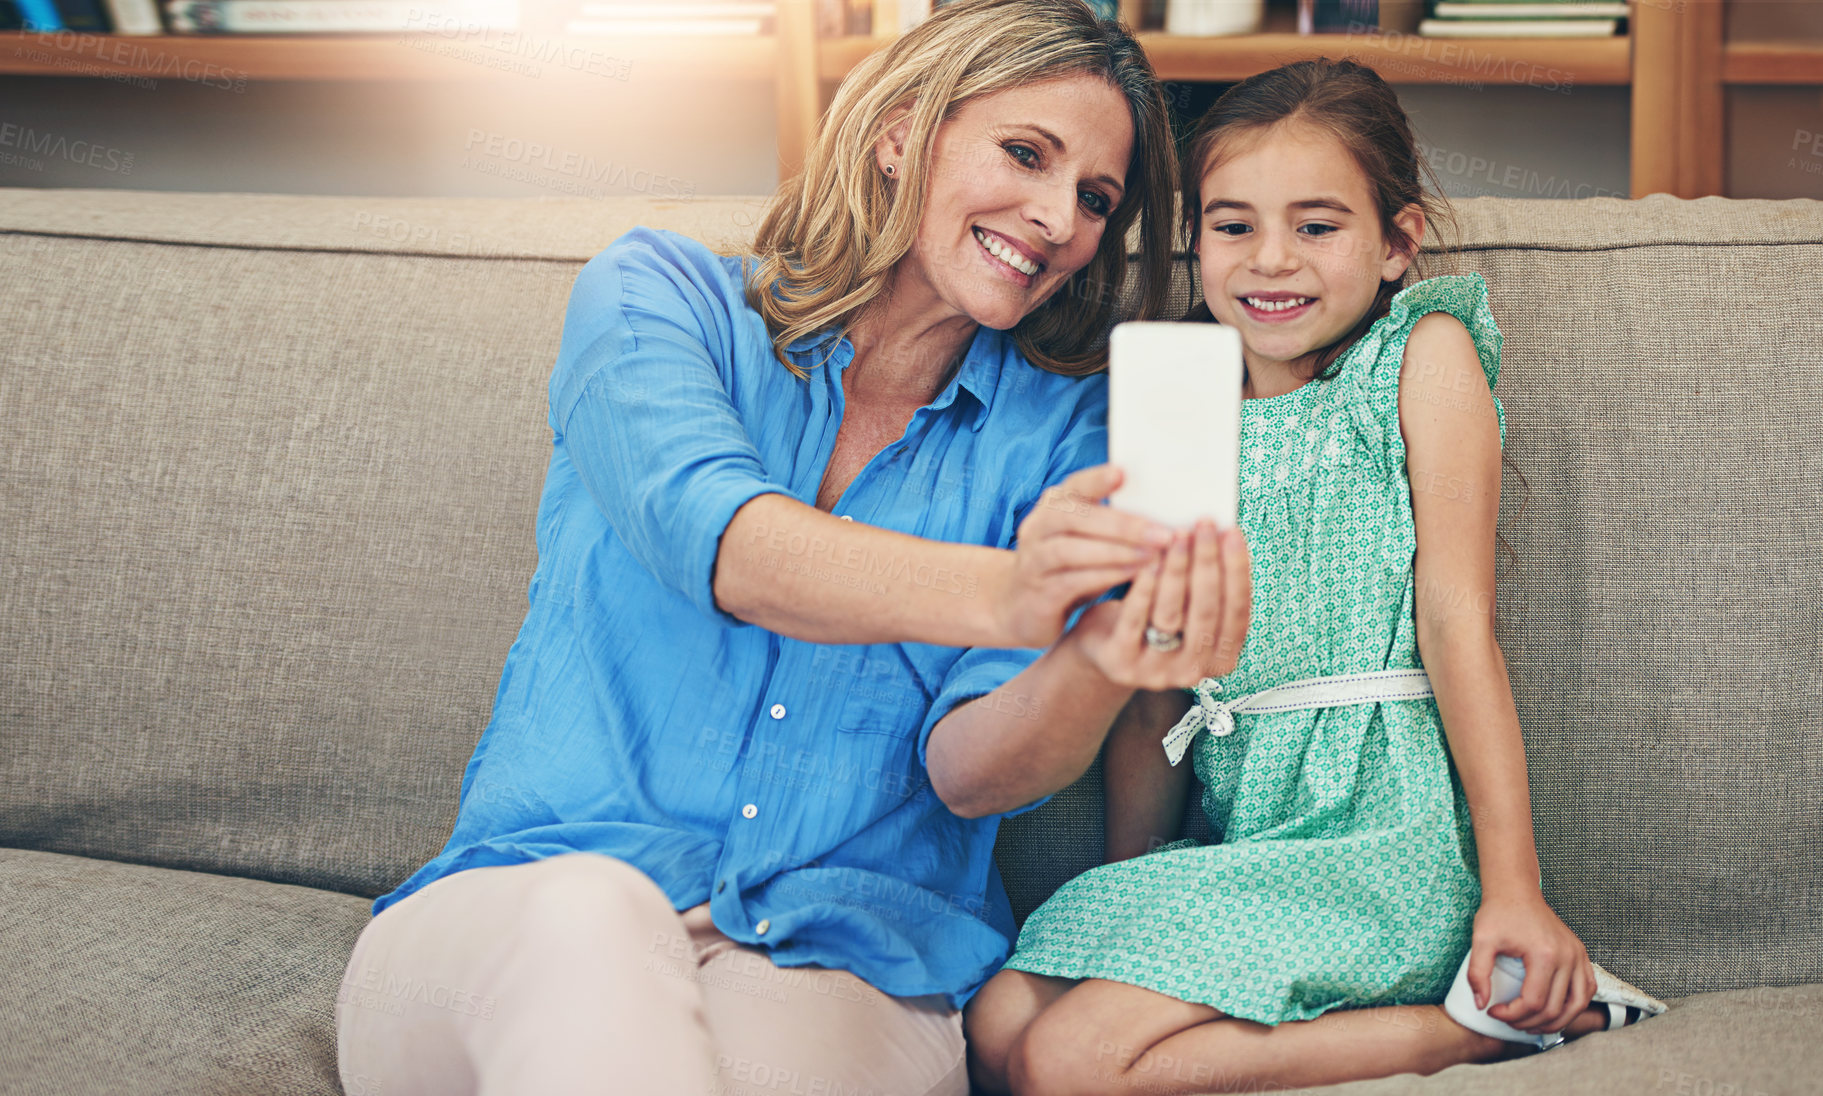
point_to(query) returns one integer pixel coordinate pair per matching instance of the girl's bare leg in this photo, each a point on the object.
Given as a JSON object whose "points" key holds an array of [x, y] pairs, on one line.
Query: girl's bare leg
{"points": [[1102, 1037], [997, 1016]]}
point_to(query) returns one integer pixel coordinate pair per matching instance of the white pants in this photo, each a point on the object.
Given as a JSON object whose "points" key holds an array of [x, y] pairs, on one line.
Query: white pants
{"points": [[574, 975]]}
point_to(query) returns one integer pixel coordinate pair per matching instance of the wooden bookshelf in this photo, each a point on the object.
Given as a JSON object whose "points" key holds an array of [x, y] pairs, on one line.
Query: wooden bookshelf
{"points": [[399, 56], [1553, 63], [835, 56], [1674, 60], [1772, 63], [1677, 126], [1400, 58]]}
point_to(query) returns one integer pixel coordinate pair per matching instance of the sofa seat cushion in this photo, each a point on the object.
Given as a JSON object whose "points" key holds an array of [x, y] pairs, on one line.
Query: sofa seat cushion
{"points": [[119, 978], [1748, 1042]]}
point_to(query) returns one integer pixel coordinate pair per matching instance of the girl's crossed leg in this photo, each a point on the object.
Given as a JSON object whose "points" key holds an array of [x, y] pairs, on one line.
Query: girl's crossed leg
{"points": [[1032, 1035]]}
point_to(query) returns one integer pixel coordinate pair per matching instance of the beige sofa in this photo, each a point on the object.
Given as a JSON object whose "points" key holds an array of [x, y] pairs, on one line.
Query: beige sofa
{"points": [[266, 509]]}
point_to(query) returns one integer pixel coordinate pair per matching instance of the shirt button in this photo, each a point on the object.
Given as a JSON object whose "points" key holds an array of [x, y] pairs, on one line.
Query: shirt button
{"points": [[778, 711], [762, 926], [845, 517], [749, 811], [721, 886]]}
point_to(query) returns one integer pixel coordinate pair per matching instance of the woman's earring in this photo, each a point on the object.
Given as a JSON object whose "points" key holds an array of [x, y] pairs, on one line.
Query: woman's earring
{"points": [[891, 170]]}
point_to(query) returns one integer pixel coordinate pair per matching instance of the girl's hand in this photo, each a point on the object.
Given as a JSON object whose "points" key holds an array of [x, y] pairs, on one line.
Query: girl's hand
{"points": [[1559, 982], [1203, 588], [1070, 550]]}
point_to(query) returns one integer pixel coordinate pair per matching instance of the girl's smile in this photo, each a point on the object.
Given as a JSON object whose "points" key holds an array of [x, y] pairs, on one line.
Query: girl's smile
{"points": [[1290, 248], [1275, 307]]}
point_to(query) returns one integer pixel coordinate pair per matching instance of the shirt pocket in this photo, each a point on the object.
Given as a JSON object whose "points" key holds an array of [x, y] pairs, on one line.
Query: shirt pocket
{"points": [[882, 695]]}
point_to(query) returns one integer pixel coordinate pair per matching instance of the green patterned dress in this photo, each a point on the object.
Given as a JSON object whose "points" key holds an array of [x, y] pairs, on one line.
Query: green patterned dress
{"points": [[1345, 876]]}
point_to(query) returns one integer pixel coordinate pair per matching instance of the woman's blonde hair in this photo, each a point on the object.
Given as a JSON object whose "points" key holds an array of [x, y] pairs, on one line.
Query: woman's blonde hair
{"points": [[833, 234]]}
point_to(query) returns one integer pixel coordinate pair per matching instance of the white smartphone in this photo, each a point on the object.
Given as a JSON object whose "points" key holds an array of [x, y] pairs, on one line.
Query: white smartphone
{"points": [[1174, 421]]}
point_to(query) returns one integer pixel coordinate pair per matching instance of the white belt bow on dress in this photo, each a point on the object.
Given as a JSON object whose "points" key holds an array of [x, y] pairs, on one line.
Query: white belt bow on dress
{"points": [[1217, 716]]}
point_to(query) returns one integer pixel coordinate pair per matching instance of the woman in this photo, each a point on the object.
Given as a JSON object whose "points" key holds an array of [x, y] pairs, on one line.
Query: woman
{"points": [[731, 824]]}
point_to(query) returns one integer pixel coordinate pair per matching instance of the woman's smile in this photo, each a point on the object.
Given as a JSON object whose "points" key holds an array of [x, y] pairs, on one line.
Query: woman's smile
{"points": [[1021, 185], [1007, 256]]}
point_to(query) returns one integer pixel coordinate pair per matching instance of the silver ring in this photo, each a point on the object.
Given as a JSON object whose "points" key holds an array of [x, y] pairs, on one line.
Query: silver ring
{"points": [[1163, 641]]}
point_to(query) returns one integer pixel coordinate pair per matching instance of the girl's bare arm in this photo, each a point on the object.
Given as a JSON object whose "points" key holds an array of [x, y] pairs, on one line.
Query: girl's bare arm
{"points": [[1453, 461], [1452, 437], [1143, 792]]}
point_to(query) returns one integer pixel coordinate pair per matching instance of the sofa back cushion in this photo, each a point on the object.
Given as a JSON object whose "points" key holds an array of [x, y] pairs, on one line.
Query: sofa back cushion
{"points": [[273, 465]]}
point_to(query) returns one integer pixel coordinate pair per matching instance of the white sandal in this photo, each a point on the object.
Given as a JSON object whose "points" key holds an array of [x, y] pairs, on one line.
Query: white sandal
{"points": [[1627, 1004]]}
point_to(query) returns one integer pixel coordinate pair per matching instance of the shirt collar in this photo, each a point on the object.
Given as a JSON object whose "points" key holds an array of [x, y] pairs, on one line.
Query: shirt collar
{"points": [[982, 366], [979, 376]]}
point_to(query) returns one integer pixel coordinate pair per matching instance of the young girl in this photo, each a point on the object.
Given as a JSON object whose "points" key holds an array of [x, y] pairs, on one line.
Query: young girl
{"points": [[1316, 941]]}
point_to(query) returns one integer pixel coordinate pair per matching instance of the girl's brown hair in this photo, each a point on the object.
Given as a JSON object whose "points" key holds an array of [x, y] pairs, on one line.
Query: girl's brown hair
{"points": [[1351, 102], [834, 232]]}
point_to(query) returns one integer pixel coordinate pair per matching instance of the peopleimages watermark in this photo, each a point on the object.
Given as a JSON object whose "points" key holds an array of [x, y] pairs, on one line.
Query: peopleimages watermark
{"points": [[519, 159], [748, 972], [70, 47], [742, 1076], [424, 24], [1514, 177], [34, 146], [468, 245], [362, 1084], [1685, 1083], [816, 556], [1464, 62], [1808, 147], [389, 993], [807, 771]]}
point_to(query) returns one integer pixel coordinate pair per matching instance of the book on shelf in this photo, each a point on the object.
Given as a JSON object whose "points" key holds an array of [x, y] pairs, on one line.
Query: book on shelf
{"points": [[618, 18], [913, 12], [51, 15], [114, 16], [1529, 9], [1524, 19], [1337, 16], [1519, 28], [134, 17], [729, 9], [670, 28], [332, 16]]}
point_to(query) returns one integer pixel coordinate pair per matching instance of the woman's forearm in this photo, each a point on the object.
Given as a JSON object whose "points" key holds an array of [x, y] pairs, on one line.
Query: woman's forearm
{"points": [[1468, 674], [804, 573], [1031, 737]]}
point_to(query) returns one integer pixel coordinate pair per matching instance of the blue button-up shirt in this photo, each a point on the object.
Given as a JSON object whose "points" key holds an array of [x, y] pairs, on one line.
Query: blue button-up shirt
{"points": [[784, 782]]}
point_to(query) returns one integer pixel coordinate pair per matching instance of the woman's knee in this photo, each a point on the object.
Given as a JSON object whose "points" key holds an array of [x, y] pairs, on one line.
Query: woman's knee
{"points": [[590, 897]]}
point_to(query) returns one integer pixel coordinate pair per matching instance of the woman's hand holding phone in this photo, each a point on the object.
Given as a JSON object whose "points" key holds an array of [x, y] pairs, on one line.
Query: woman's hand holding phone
{"points": [[1174, 424], [1071, 549], [1202, 587]]}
